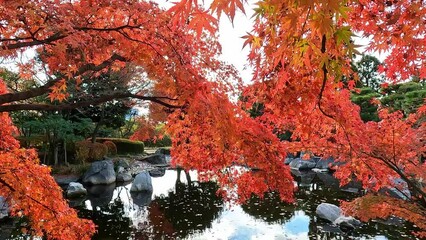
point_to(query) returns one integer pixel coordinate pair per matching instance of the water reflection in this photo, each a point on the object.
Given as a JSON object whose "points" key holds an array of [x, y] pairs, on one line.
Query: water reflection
{"points": [[180, 207]]}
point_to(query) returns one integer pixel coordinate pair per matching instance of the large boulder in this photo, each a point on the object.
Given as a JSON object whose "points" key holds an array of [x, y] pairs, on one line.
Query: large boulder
{"points": [[75, 190], [328, 211], [142, 182], [302, 164], [100, 172], [156, 159], [335, 215], [4, 208]]}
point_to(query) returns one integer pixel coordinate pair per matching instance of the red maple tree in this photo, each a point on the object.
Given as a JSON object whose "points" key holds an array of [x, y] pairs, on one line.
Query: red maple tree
{"points": [[300, 52]]}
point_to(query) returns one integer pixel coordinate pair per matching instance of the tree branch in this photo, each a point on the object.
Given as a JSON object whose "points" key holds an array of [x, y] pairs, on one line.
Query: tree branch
{"points": [[95, 101], [34, 92]]}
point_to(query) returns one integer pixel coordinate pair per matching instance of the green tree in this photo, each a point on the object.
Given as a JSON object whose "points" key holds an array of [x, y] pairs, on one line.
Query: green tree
{"points": [[367, 68], [406, 97], [363, 99]]}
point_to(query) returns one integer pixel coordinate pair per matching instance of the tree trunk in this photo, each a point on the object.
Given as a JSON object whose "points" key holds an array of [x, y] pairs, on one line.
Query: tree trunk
{"points": [[98, 124], [55, 154], [65, 153]]}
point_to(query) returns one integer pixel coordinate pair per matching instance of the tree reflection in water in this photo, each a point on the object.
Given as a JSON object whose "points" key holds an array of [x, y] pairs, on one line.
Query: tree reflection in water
{"points": [[191, 207]]}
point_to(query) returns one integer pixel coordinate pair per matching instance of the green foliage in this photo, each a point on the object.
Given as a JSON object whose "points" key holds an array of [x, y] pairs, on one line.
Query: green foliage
{"points": [[125, 146], [363, 99], [367, 69], [406, 97], [112, 148]]}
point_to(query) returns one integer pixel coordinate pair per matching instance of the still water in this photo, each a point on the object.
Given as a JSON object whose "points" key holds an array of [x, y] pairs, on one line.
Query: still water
{"points": [[180, 207]]}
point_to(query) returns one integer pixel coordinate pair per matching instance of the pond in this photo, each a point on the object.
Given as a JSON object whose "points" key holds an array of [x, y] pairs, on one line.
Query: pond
{"points": [[180, 207]]}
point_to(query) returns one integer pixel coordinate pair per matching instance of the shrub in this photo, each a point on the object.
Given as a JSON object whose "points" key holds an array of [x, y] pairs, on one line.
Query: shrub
{"points": [[86, 151], [125, 146], [97, 151], [112, 148], [82, 151]]}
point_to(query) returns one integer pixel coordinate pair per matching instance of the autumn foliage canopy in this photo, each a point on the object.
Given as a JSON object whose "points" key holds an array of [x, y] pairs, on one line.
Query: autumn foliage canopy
{"points": [[300, 52]]}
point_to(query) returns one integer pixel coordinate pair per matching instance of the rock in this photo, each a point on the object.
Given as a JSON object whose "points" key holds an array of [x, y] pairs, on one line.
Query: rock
{"points": [[124, 177], [123, 163], [328, 179], [328, 211], [157, 172], [75, 190], [121, 169], [335, 215], [325, 163], [400, 189], [301, 164], [304, 178], [142, 198], [347, 223], [65, 180], [288, 160], [100, 195], [163, 151], [4, 208], [156, 159], [100, 172], [328, 163], [142, 182]]}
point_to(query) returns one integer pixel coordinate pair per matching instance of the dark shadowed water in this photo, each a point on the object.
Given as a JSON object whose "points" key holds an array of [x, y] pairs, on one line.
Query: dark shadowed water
{"points": [[180, 208]]}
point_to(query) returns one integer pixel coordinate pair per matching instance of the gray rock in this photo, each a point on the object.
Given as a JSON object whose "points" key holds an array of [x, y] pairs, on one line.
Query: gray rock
{"points": [[100, 172], [4, 208], [163, 151], [304, 178], [123, 163], [288, 160], [142, 182], [75, 190], [347, 223], [400, 190], [64, 181], [335, 215], [156, 159], [328, 179], [328, 211], [124, 177], [121, 169], [301, 164], [157, 172], [325, 163]]}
